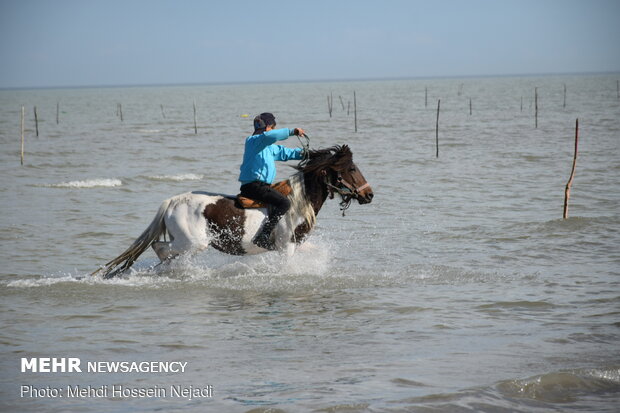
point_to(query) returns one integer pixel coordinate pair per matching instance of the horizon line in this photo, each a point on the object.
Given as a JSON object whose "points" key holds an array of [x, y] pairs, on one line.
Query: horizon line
{"points": [[327, 80]]}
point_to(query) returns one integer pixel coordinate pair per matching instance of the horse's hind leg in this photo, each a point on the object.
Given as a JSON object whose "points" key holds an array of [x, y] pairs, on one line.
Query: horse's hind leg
{"points": [[187, 234], [169, 250], [163, 250]]}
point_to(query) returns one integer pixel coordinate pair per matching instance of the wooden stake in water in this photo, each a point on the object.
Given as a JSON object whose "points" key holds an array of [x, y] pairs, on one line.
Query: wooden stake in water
{"points": [[618, 88], [162, 111], [195, 125], [341, 102], [57, 112], [521, 104], [348, 107], [330, 104], [22, 128], [564, 106], [355, 109], [572, 173], [470, 106], [119, 111], [36, 121], [437, 130], [536, 107], [425, 97]]}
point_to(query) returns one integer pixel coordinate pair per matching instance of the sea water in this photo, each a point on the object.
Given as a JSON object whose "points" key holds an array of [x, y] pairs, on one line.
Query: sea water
{"points": [[460, 287]]}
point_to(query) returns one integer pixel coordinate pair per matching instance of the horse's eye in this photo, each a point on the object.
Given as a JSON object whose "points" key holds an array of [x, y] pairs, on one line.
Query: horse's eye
{"points": [[352, 169]]}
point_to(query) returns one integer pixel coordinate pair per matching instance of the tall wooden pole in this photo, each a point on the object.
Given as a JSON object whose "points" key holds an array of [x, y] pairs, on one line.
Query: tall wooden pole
{"points": [[572, 172], [36, 121], [195, 125], [470, 106], [22, 129], [564, 106], [536, 107], [355, 109], [329, 106], [437, 130]]}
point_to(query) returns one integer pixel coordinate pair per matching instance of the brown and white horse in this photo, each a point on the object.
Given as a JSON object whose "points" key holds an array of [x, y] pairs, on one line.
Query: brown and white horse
{"points": [[196, 220]]}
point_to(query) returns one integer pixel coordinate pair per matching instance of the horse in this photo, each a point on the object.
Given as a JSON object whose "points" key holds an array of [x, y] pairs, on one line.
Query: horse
{"points": [[196, 220]]}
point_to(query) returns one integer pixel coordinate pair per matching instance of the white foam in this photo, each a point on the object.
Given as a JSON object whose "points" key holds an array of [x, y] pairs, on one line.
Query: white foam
{"points": [[90, 183], [176, 178], [309, 268]]}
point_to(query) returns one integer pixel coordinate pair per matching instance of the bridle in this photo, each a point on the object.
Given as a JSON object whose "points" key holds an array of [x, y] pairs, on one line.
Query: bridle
{"points": [[345, 189]]}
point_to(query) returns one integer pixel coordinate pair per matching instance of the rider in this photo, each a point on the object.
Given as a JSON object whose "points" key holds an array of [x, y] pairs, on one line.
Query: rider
{"points": [[258, 170]]}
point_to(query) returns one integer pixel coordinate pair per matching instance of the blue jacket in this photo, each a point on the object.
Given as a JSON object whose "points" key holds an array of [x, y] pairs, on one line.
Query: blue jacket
{"points": [[261, 153]]}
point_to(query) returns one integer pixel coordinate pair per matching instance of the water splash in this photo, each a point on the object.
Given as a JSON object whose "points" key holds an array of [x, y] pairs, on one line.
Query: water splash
{"points": [[175, 178]]}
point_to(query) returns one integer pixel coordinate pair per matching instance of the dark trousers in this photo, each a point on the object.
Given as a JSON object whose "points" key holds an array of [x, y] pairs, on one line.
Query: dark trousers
{"points": [[262, 191]]}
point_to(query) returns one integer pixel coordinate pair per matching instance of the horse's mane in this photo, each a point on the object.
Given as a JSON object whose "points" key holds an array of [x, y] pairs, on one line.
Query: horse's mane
{"points": [[337, 157]]}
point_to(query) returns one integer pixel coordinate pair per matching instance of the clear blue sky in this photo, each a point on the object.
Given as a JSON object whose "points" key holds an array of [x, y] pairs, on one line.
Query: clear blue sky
{"points": [[127, 42]]}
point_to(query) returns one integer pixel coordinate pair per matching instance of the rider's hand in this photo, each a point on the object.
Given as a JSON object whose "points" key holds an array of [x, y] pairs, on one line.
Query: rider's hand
{"points": [[299, 132]]}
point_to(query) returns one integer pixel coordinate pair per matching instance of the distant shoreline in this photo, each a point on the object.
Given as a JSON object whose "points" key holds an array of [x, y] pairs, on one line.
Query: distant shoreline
{"points": [[301, 81]]}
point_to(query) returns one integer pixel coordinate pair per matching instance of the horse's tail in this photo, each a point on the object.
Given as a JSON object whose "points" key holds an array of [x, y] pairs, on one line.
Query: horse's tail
{"points": [[121, 263]]}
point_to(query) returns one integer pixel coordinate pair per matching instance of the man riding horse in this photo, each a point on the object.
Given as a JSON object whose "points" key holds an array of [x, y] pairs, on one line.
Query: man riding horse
{"points": [[258, 171], [191, 222]]}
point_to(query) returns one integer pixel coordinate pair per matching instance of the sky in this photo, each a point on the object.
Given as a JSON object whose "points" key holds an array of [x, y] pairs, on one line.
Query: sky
{"points": [[57, 43]]}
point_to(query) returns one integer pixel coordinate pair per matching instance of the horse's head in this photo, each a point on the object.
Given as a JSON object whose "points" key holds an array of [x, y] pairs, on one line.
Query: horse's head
{"points": [[341, 174]]}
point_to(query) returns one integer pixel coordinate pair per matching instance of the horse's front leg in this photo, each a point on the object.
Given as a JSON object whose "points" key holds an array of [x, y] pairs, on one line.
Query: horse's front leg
{"points": [[290, 248], [284, 239]]}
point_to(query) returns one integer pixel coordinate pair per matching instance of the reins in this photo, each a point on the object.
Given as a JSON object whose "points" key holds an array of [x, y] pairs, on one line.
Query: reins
{"points": [[348, 193], [305, 146]]}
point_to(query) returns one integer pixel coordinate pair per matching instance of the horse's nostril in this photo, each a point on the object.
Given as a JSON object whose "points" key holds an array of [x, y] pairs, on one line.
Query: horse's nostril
{"points": [[370, 196]]}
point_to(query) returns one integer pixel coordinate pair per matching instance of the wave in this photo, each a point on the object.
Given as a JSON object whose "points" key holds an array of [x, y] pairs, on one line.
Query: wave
{"points": [[567, 390], [176, 178], [563, 386], [90, 183]]}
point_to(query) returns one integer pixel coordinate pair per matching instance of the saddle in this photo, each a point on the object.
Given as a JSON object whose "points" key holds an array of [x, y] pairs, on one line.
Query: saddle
{"points": [[242, 202]]}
